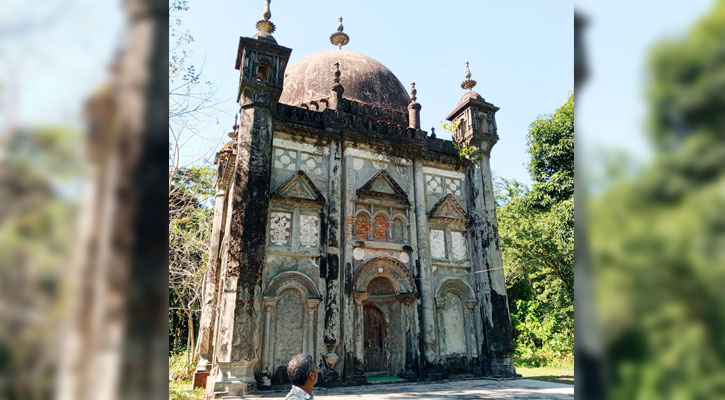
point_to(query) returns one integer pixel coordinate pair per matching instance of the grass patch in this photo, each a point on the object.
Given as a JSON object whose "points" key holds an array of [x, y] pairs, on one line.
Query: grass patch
{"points": [[181, 373], [183, 391], [548, 374]]}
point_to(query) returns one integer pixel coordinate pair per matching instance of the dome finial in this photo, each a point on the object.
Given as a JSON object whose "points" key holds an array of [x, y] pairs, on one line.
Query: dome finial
{"points": [[265, 25], [413, 92], [468, 83], [339, 38]]}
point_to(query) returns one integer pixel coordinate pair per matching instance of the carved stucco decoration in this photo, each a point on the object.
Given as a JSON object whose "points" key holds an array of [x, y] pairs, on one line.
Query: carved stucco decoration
{"points": [[437, 244], [280, 227], [448, 210], [382, 185], [298, 189], [458, 286], [297, 280], [309, 231], [433, 184], [387, 267], [459, 250], [225, 160]]}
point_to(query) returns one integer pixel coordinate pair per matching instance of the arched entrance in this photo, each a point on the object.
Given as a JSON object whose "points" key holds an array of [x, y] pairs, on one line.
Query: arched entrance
{"points": [[386, 318], [375, 339]]}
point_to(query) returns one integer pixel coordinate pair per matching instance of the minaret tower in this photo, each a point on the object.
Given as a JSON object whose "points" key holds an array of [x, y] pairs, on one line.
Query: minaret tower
{"points": [[236, 363], [476, 126]]}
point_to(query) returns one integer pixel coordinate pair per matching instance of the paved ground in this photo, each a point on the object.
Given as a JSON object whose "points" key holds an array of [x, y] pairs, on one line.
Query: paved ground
{"points": [[468, 389]]}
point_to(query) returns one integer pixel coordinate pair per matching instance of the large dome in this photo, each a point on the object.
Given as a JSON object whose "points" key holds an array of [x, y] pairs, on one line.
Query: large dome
{"points": [[365, 80]]}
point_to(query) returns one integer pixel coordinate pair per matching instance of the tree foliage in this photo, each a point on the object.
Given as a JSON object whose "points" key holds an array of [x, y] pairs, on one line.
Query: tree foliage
{"points": [[686, 84], [657, 239], [536, 230], [192, 104], [551, 146], [190, 218], [38, 181]]}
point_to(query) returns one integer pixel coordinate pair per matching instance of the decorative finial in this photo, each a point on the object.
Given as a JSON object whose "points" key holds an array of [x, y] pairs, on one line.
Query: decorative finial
{"points": [[336, 90], [339, 38], [337, 72], [468, 83], [413, 92], [432, 132], [265, 25], [233, 133]]}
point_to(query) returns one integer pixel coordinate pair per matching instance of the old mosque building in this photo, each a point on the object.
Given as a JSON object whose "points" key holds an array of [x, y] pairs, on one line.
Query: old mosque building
{"points": [[343, 230]]}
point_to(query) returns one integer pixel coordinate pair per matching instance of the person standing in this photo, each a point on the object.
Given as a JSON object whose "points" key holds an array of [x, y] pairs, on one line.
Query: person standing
{"points": [[302, 372]]}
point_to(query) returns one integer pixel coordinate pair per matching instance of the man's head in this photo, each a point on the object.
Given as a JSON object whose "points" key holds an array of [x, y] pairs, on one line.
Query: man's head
{"points": [[301, 369]]}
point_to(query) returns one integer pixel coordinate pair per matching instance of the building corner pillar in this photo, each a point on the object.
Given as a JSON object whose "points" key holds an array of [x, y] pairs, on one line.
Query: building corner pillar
{"points": [[497, 346], [425, 280], [209, 295]]}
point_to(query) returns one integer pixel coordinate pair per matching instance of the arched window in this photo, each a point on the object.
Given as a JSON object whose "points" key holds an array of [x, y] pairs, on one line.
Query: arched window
{"points": [[398, 230], [380, 228], [362, 225], [263, 71]]}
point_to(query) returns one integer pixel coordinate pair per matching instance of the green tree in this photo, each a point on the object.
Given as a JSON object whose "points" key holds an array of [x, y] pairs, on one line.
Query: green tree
{"points": [[190, 215], [536, 230], [657, 239], [192, 104], [39, 170], [551, 146]]}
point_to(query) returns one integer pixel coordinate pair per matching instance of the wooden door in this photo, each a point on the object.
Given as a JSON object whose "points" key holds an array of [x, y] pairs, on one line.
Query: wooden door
{"points": [[374, 340]]}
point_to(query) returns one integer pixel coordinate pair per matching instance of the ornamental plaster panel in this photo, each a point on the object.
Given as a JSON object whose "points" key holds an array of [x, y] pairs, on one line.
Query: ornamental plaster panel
{"points": [[280, 227], [311, 163], [453, 186], [285, 159], [458, 246], [433, 184], [444, 172], [437, 243], [309, 231]]}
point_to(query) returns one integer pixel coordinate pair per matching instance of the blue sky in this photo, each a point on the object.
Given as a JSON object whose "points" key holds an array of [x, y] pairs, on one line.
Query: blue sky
{"points": [[611, 107], [520, 52], [52, 55]]}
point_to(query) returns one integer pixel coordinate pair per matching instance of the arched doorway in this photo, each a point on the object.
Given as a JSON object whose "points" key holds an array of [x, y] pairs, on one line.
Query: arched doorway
{"points": [[375, 339], [385, 317]]}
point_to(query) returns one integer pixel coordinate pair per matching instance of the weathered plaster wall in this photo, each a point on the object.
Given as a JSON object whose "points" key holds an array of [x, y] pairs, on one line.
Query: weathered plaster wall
{"points": [[346, 209]]}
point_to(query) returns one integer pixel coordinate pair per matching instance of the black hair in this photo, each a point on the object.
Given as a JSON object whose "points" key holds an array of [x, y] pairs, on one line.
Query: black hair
{"points": [[299, 369]]}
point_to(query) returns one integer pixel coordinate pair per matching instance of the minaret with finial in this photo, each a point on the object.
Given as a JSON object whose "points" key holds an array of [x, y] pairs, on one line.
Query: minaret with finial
{"points": [[468, 83], [475, 118], [238, 368], [262, 61], [339, 38], [413, 109], [265, 26], [337, 90]]}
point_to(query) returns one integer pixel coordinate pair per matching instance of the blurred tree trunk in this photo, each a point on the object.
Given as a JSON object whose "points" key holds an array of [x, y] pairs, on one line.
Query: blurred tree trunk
{"points": [[115, 346]]}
